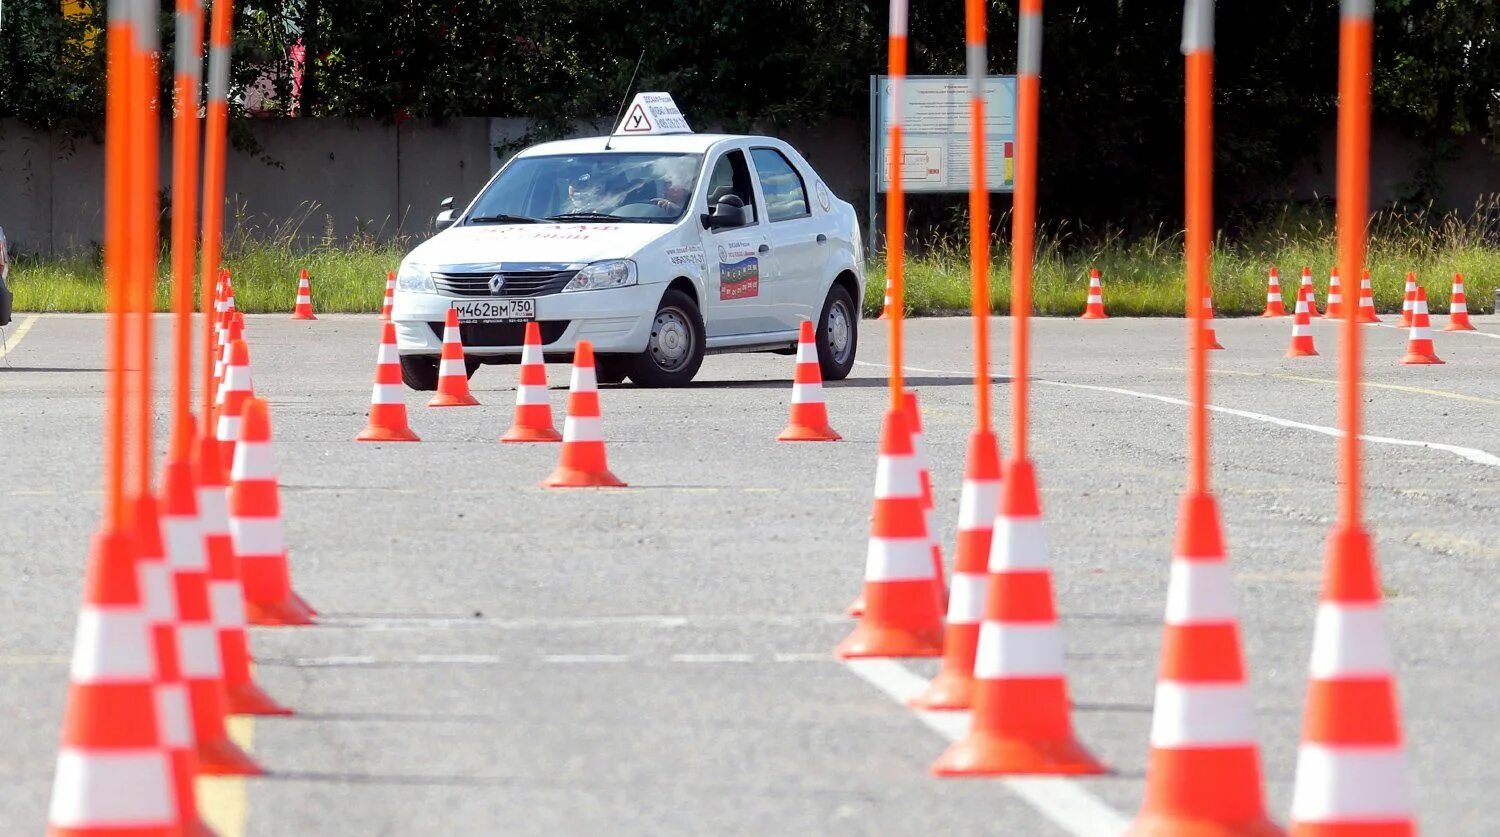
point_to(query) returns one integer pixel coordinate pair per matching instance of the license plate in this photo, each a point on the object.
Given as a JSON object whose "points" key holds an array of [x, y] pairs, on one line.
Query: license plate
{"points": [[518, 310]]}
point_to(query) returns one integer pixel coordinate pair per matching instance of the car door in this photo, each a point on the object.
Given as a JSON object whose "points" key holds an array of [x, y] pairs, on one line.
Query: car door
{"points": [[798, 238], [739, 268]]}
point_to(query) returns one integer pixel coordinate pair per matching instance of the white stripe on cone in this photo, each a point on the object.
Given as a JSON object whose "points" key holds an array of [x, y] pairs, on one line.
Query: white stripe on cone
{"points": [[977, 502], [114, 788], [173, 717], [226, 604], [1351, 785], [1013, 649], [1019, 544], [1202, 715], [531, 394], [1200, 592], [898, 559], [112, 644], [896, 476], [807, 393], [257, 536], [386, 394], [198, 651], [253, 461], [583, 429], [966, 595], [1350, 641]]}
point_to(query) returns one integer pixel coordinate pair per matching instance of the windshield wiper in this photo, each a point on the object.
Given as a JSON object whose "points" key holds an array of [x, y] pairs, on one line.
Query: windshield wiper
{"points": [[504, 219], [595, 216]]}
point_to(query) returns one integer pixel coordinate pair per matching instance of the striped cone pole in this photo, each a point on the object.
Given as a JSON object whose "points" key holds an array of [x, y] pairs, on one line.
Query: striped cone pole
{"points": [[809, 419], [453, 375], [1409, 301], [885, 307], [387, 403], [202, 666], [1203, 773], [1210, 336], [1302, 336], [232, 329], [1366, 313], [159, 606], [533, 420], [230, 403], [1419, 349], [1335, 307], [929, 506], [390, 296], [256, 527], [1274, 306], [1352, 771], [303, 309], [1022, 721], [953, 687], [1312, 291], [225, 592], [113, 775], [1458, 307], [901, 617], [583, 462], [1094, 306]]}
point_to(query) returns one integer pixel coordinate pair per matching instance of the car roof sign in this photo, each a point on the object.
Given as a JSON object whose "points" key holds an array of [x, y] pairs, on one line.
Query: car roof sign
{"points": [[653, 114]]}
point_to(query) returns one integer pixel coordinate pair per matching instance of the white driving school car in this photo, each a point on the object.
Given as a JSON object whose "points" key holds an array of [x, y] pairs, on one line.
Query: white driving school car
{"points": [[656, 244]]}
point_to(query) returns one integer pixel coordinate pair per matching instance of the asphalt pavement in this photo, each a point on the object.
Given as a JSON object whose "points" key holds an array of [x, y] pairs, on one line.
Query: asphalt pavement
{"points": [[498, 658]]}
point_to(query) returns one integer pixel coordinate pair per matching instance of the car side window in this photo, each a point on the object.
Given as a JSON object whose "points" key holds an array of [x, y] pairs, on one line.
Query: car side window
{"points": [[786, 194], [731, 176]]}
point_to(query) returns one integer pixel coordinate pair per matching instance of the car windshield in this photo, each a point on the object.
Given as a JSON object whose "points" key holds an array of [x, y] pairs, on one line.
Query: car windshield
{"points": [[643, 188]]}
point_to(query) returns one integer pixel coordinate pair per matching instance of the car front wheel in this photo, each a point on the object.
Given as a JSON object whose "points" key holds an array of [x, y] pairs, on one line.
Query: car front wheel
{"points": [[675, 349], [838, 335], [420, 372]]}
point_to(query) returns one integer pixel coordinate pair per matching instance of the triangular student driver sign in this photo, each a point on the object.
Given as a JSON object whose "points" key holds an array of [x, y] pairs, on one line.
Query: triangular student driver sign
{"points": [[653, 113]]}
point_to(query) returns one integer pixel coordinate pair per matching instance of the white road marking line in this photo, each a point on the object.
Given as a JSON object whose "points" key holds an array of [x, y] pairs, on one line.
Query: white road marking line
{"points": [[713, 658], [10, 343], [418, 623], [456, 659], [585, 658], [333, 662], [803, 657], [1062, 801], [1472, 454], [1437, 331]]}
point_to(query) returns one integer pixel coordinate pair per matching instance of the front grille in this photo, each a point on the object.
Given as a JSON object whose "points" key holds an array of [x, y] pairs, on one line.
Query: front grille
{"points": [[517, 283], [480, 335]]}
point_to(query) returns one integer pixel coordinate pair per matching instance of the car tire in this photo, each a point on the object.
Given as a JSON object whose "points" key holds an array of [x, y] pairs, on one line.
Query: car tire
{"points": [[470, 367], [676, 346], [838, 334], [612, 369], [420, 372]]}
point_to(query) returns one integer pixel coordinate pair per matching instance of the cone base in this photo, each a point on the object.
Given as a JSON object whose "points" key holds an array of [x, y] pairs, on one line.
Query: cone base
{"points": [[1094, 316], [518, 433], [574, 478], [1167, 825], [302, 603], [856, 608], [1368, 318], [867, 641], [1301, 353], [951, 690], [799, 433], [248, 699], [197, 828], [303, 317], [225, 758], [443, 399], [1272, 313], [1215, 346], [1413, 359], [987, 754], [386, 434], [1459, 327], [290, 611]]}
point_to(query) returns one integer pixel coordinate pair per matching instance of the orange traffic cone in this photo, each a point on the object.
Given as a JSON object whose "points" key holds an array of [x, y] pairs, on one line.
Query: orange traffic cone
{"points": [[390, 296], [533, 421], [113, 775], [255, 525], [1203, 774], [225, 592], [1352, 772], [901, 617], [809, 421], [1419, 350], [583, 463], [202, 666], [231, 329], [1274, 306], [229, 405], [159, 606], [453, 376], [1302, 336], [1409, 301], [953, 687], [1312, 291], [1335, 307], [1367, 300], [1209, 335], [303, 309], [387, 403], [929, 505], [885, 307], [1458, 307], [1021, 714], [1094, 305]]}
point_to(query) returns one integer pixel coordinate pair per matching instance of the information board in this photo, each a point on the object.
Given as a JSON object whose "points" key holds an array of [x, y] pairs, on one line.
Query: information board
{"points": [[935, 136]]}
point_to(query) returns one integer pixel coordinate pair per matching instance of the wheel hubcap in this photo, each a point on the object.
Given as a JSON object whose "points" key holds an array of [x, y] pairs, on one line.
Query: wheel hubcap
{"points": [[840, 332], [671, 340]]}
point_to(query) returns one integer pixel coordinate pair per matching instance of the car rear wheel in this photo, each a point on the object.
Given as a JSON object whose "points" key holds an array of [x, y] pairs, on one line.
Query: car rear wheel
{"points": [[612, 369], [838, 335], [675, 349], [420, 372]]}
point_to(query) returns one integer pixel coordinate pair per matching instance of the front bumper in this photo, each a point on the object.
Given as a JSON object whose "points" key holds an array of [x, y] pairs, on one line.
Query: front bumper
{"points": [[616, 320]]}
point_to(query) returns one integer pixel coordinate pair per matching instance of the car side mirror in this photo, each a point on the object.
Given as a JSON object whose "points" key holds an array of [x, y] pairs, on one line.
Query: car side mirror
{"points": [[444, 217], [729, 213]]}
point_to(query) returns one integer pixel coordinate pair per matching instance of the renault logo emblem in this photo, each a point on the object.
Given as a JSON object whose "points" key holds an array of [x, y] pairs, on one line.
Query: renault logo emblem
{"points": [[497, 283]]}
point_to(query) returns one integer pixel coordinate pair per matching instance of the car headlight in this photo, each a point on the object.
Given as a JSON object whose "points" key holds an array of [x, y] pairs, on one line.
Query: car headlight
{"points": [[416, 279], [617, 273]]}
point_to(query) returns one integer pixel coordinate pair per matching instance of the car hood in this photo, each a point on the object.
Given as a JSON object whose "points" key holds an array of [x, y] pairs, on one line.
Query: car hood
{"points": [[549, 243]]}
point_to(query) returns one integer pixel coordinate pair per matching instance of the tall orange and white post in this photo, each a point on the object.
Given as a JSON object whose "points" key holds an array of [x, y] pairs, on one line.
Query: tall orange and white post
{"points": [[1352, 771], [1203, 774]]}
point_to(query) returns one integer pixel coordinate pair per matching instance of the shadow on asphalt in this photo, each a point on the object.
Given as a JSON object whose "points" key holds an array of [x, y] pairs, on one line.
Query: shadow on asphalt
{"points": [[848, 383]]}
